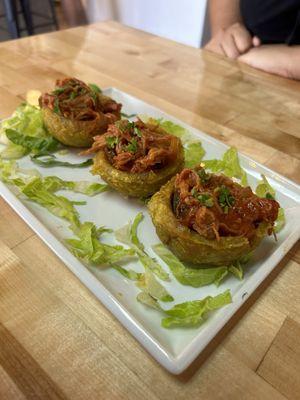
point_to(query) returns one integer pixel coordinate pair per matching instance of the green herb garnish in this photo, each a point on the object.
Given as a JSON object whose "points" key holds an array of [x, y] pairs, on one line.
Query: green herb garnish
{"points": [[203, 175], [95, 88], [111, 141], [204, 199], [124, 127], [56, 106], [73, 95], [58, 90], [225, 198], [132, 147], [137, 131], [269, 196]]}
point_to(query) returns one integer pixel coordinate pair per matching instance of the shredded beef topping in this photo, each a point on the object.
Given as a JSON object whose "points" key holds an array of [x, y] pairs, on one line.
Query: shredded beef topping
{"points": [[137, 146], [73, 99], [215, 206]]}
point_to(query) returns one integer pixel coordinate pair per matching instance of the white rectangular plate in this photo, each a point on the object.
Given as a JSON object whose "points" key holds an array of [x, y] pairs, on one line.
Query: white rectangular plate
{"points": [[176, 348]]}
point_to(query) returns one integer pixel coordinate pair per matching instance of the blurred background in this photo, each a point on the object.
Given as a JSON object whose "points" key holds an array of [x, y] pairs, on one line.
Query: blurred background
{"points": [[183, 21]]}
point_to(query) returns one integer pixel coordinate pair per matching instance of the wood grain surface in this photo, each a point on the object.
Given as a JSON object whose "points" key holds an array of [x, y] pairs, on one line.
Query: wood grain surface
{"points": [[56, 340]]}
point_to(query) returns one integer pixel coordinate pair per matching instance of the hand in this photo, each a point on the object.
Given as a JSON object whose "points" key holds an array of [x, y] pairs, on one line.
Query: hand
{"points": [[232, 42], [276, 59]]}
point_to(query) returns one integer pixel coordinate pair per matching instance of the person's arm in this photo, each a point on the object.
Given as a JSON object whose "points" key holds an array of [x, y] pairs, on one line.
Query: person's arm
{"points": [[223, 14], [229, 35], [74, 12], [278, 59]]}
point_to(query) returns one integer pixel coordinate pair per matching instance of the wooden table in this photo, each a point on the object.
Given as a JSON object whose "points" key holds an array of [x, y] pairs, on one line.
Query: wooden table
{"points": [[56, 340]]}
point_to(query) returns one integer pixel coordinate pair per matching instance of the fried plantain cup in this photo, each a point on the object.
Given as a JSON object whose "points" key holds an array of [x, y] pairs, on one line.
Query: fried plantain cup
{"points": [[74, 112], [136, 158], [188, 245], [140, 185]]}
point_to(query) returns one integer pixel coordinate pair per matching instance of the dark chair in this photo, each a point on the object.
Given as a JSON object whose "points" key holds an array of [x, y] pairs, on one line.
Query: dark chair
{"points": [[12, 16]]}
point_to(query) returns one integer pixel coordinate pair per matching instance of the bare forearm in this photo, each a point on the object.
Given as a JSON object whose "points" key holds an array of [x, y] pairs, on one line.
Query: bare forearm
{"points": [[294, 63], [278, 59], [74, 12], [223, 13]]}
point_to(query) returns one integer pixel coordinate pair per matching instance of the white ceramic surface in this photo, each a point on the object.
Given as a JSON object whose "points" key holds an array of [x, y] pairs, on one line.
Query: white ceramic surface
{"points": [[175, 348]]}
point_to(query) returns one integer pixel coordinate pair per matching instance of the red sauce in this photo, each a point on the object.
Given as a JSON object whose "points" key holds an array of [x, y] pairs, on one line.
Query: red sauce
{"points": [[215, 206], [73, 99], [136, 146]]}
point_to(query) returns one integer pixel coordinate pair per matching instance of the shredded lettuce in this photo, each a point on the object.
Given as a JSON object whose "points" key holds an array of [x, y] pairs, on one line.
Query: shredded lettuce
{"points": [[190, 276], [57, 205], [193, 150], [190, 313], [127, 116], [26, 120], [170, 127], [33, 188], [280, 221], [88, 247], [145, 281], [149, 301], [40, 145], [197, 277], [128, 273], [193, 313], [12, 151], [84, 187], [42, 190], [128, 235], [150, 285], [193, 154], [229, 165], [264, 189], [237, 270], [53, 183], [50, 160], [11, 173]]}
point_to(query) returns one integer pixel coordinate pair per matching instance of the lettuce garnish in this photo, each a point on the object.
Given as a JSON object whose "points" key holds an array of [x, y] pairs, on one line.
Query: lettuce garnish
{"points": [[11, 173], [193, 150], [193, 313], [280, 221], [190, 276], [53, 183], [128, 236], [193, 154], [88, 247], [50, 160], [197, 277], [229, 165], [27, 121], [42, 190], [24, 133], [128, 273], [264, 189], [170, 127], [37, 145], [146, 281], [189, 313], [150, 286]]}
